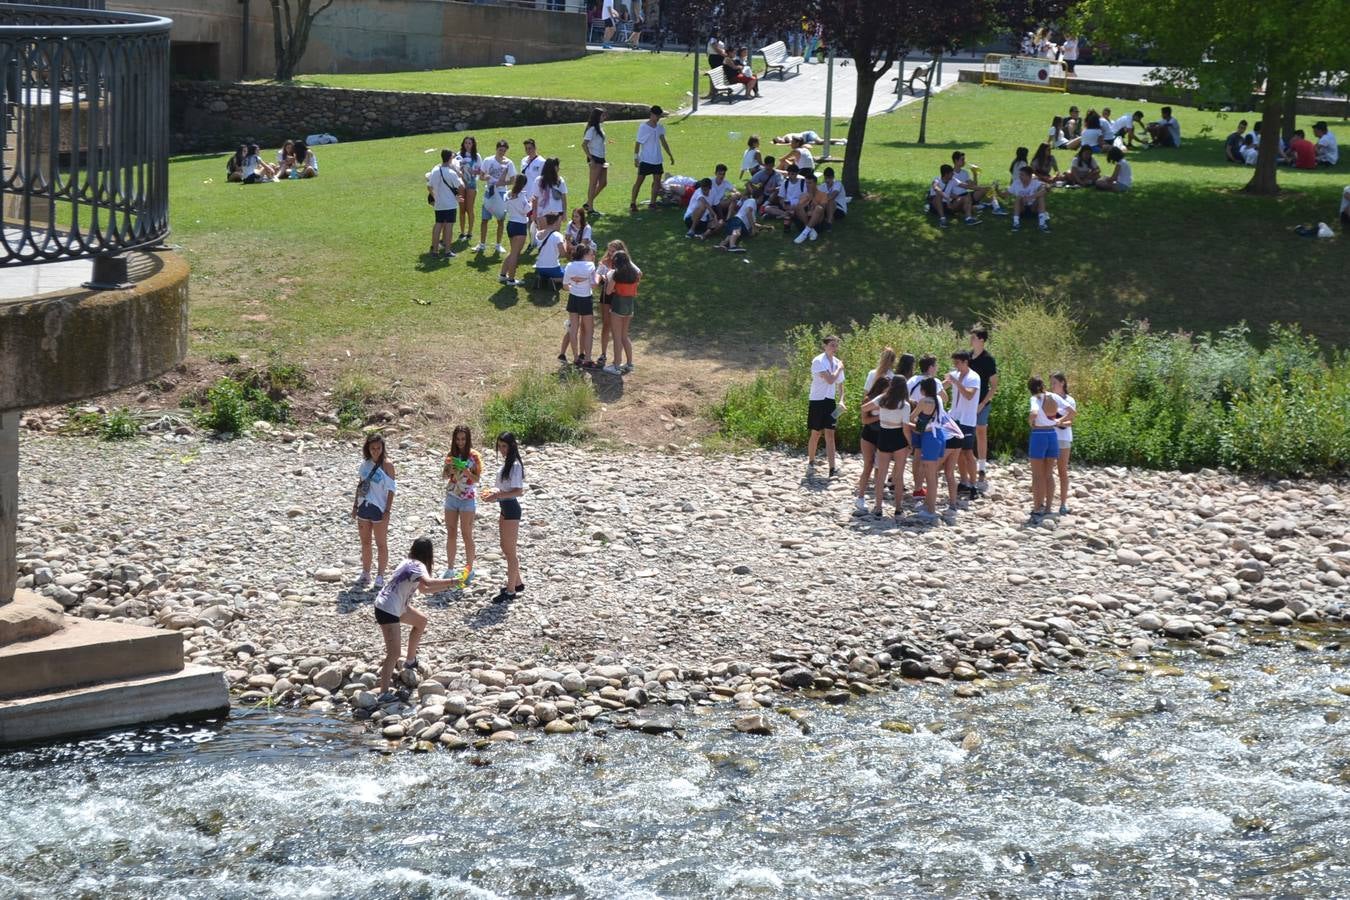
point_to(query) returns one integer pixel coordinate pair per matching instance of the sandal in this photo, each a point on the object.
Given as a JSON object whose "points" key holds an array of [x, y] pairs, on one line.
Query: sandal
{"points": [[411, 664]]}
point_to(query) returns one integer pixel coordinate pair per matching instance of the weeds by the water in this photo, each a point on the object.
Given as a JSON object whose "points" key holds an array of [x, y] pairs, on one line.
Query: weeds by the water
{"points": [[542, 408], [1147, 399]]}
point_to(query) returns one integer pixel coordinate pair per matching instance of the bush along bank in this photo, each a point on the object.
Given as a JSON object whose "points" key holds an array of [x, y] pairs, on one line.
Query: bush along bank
{"points": [[1161, 401]]}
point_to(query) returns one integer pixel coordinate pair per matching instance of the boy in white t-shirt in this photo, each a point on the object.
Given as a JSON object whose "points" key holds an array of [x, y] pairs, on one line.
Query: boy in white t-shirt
{"points": [[647, 159], [827, 378], [719, 194], [498, 173], [741, 222], [836, 201], [443, 186], [699, 215], [964, 383]]}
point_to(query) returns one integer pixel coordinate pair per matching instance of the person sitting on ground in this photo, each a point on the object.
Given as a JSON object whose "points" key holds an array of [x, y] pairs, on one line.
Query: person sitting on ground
{"points": [[1121, 178], [741, 224], [968, 179], [1126, 129], [1084, 171], [547, 264], [234, 166], [1166, 132], [1019, 162], [799, 155], [1250, 150], [836, 200], [1044, 165], [1072, 123], [1302, 154], [719, 195], [751, 159], [1055, 136], [699, 216], [1232, 145], [784, 204], [1107, 125], [810, 209], [765, 184], [1028, 193], [578, 234], [255, 170], [1092, 131], [303, 165], [945, 203], [286, 151], [737, 72], [1328, 151]]}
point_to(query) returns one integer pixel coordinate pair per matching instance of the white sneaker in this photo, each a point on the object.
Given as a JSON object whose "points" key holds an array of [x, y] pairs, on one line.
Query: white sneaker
{"points": [[802, 238], [480, 248], [500, 249], [612, 370], [814, 234], [379, 582], [860, 504]]}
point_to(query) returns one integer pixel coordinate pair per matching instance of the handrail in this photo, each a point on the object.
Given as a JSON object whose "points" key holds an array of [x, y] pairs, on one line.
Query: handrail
{"points": [[84, 97]]}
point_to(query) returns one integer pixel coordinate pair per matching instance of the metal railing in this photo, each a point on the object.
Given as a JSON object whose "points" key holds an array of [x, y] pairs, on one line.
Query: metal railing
{"points": [[85, 140]]}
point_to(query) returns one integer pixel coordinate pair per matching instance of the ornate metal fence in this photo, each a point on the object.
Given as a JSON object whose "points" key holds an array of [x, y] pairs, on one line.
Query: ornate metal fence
{"points": [[85, 101]]}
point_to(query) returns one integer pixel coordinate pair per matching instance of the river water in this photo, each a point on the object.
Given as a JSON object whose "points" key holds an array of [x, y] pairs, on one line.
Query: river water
{"points": [[1193, 778]]}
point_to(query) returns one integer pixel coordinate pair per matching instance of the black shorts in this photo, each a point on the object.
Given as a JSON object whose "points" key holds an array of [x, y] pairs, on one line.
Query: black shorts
{"points": [[582, 306], [891, 440], [820, 415], [510, 509], [840, 213], [385, 618], [645, 169], [956, 443], [445, 216], [608, 23], [516, 229], [870, 432], [699, 227], [597, 160], [967, 442]]}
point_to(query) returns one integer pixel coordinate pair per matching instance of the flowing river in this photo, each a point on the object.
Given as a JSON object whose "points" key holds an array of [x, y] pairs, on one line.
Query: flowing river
{"points": [[1191, 778]]}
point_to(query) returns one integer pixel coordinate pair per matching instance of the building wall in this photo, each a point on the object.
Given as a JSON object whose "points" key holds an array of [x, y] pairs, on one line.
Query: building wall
{"points": [[216, 116], [377, 35]]}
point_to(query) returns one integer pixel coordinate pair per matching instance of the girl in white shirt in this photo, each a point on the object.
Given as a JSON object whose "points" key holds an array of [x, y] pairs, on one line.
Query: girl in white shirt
{"points": [[892, 411], [372, 504], [867, 439], [1042, 447], [550, 191], [509, 489], [594, 142], [751, 160], [392, 609], [1068, 407], [517, 225], [578, 232], [579, 276], [602, 269]]}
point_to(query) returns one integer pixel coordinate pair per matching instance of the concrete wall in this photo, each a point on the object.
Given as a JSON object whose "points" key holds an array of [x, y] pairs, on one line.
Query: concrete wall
{"points": [[214, 116], [379, 35]]}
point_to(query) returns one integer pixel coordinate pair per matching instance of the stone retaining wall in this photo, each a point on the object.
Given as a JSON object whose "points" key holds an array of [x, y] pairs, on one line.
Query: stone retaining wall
{"points": [[212, 116]]}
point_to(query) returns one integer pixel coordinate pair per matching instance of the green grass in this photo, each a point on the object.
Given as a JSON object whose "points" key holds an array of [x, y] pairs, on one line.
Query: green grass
{"points": [[332, 271], [542, 407], [661, 78]]}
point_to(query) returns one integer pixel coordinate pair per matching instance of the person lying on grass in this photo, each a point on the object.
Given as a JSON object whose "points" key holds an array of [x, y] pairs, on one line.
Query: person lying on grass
{"points": [[742, 224], [392, 609]]}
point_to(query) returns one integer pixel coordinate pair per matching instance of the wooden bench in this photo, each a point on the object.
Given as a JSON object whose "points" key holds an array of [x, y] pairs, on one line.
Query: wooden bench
{"points": [[718, 88], [776, 59]]}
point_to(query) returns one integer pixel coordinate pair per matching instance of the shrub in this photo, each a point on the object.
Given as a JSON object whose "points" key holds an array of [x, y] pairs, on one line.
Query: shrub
{"points": [[540, 407], [1172, 401], [118, 425], [353, 392], [225, 410]]}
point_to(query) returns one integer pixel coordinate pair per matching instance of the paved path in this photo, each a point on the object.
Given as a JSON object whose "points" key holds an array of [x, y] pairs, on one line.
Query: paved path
{"points": [[804, 94]]}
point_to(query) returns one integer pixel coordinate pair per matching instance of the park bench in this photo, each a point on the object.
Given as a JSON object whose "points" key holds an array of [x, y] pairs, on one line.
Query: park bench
{"points": [[920, 74], [776, 59], [718, 88]]}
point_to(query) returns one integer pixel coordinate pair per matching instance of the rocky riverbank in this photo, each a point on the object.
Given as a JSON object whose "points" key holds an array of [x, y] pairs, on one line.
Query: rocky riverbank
{"points": [[657, 582]]}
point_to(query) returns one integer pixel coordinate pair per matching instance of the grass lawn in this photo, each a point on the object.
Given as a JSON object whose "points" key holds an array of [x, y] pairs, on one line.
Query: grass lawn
{"points": [[661, 78], [331, 272]]}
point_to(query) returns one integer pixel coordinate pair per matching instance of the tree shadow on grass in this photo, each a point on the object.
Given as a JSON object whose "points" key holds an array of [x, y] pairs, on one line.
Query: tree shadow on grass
{"points": [[934, 145], [1183, 257]]}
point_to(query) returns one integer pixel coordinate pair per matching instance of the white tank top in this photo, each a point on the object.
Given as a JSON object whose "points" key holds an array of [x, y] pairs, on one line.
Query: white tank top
{"points": [[893, 418]]}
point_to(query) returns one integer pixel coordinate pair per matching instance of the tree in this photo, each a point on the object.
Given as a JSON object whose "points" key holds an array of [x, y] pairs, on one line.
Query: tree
{"points": [[1225, 50], [290, 32]]}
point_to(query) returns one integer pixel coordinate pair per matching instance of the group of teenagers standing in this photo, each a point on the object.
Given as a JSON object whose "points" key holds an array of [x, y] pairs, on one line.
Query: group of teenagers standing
{"points": [[372, 505], [939, 424], [529, 203]]}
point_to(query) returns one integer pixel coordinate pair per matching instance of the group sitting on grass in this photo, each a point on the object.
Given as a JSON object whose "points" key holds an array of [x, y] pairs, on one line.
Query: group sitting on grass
{"points": [[956, 190], [911, 412], [294, 160], [1243, 147]]}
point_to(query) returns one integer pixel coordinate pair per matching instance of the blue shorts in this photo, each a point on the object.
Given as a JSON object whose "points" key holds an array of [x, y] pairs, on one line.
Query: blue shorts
{"points": [[1044, 444], [982, 417], [460, 504], [517, 229], [933, 446], [470, 182], [734, 225], [555, 272]]}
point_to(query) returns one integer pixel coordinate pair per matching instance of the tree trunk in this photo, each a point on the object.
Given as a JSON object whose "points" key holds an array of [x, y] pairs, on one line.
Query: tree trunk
{"points": [[857, 126], [1290, 102], [1263, 179], [927, 92], [278, 40]]}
